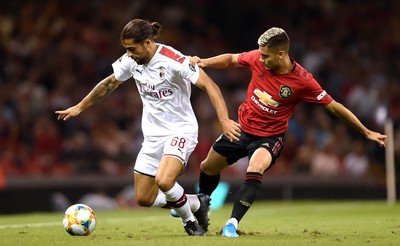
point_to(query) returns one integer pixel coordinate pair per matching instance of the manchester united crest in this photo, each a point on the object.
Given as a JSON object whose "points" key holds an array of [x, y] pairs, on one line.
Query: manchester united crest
{"points": [[285, 91]]}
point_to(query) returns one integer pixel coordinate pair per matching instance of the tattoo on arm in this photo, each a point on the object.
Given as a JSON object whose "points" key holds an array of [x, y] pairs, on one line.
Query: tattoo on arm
{"points": [[103, 89]]}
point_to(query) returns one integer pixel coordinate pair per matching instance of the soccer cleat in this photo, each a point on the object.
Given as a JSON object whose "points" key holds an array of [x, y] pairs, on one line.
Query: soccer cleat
{"points": [[194, 229], [202, 213], [174, 213], [229, 230]]}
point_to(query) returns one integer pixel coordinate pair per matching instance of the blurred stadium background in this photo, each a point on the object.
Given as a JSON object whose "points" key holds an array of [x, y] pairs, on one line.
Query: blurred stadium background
{"points": [[53, 52]]}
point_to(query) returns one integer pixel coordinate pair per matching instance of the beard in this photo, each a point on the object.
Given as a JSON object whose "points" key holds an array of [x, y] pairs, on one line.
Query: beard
{"points": [[141, 60], [272, 68]]}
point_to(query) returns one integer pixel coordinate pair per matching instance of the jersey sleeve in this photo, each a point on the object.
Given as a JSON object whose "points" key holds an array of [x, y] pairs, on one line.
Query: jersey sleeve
{"points": [[247, 59], [314, 93], [189, 72], [122, 68]]}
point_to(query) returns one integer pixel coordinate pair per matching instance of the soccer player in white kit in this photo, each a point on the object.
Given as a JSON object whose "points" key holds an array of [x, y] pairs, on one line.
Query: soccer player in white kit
{"points": [[163, 77]]}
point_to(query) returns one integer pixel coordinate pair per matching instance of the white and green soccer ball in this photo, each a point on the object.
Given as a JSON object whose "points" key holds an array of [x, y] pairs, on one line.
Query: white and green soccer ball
{"points": [[79, 220]]}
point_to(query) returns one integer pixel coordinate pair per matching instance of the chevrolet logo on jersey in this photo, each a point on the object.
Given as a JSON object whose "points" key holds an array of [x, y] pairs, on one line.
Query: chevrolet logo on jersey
{"points": [[266, 98]]}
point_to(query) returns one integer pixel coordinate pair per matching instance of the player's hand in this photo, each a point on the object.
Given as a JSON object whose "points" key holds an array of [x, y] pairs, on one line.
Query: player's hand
{"points": [[231, 129], [377, 137], [196, 60], [68, 113]]}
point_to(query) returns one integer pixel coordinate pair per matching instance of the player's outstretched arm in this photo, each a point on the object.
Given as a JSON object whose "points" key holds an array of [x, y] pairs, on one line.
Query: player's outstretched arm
{"points": [[223, 61], [230, 128], [101, 90], [346, 115]]}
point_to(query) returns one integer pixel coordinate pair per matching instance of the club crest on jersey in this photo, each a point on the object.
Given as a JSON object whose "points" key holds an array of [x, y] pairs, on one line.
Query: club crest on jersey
{"points": [[285, 91], [162, 73]]}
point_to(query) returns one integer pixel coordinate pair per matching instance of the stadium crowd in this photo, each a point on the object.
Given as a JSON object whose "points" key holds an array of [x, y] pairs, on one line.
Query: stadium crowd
{"points": [[53, 52]]}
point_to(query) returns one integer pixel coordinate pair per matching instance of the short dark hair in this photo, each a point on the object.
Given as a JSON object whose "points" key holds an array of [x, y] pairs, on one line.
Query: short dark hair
{"points": [[140, 30]]}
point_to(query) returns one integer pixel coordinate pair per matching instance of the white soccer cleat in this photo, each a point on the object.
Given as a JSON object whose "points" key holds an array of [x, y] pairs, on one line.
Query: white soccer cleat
{"points": [[229, 230]]}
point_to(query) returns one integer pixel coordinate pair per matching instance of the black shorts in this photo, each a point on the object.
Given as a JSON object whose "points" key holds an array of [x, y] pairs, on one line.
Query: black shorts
{"points": [[247, 145]]}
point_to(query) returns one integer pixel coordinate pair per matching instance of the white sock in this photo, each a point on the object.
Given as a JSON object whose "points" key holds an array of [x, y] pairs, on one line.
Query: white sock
{"points": [[194, 202], [160, 200], [233, 221], [173, 195]]}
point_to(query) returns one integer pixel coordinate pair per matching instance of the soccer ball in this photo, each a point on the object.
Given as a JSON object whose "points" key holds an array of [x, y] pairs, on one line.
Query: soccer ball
{"points": [[79, 220]]}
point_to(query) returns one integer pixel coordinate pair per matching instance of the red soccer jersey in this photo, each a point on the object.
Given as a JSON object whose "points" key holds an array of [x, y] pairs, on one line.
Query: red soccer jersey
{"points": [[271, 98]]}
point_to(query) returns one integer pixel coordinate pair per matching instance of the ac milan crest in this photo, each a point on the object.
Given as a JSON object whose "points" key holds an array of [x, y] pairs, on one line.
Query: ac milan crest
{"points": [[162, 73]]}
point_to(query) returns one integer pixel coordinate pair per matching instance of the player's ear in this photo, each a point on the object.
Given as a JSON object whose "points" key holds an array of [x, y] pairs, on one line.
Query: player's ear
{"points": [[281, 54], [147, 42]]}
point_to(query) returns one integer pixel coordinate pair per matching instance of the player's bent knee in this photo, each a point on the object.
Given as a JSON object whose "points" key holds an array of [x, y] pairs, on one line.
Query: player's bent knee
{"points": [[144, 201], [165, 184], [257, 167], [209, 169]]}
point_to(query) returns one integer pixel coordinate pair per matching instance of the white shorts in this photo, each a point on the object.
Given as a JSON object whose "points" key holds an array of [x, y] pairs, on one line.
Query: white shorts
{"points": [[177, 146]]}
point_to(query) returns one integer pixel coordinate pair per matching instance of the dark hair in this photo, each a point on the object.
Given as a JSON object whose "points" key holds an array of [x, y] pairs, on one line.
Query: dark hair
{"points": [[280, 41], [140, 30]]}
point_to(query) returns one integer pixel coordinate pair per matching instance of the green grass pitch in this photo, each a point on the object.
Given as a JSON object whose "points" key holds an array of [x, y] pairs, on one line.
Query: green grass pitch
{"points": [[267, 223]]}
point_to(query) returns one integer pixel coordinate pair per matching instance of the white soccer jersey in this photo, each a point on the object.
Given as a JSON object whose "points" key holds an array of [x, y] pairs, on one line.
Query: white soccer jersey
{"points": [[164, 85]]}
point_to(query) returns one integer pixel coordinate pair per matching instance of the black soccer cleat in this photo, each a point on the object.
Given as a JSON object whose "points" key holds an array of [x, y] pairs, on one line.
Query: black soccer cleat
{"points": [[194, 229], [202, 213]]}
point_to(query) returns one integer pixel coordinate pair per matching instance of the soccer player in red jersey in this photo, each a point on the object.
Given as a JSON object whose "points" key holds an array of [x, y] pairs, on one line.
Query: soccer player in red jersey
{"points": [[277, 85]]}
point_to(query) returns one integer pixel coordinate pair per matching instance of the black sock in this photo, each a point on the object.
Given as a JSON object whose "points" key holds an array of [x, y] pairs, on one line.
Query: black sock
{"points": [[246, 194], [208, 184]]}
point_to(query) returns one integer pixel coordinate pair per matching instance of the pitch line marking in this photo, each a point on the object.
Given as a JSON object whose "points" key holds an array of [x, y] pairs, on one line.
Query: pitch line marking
{"points": [[30, 225], [54, 223]]}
